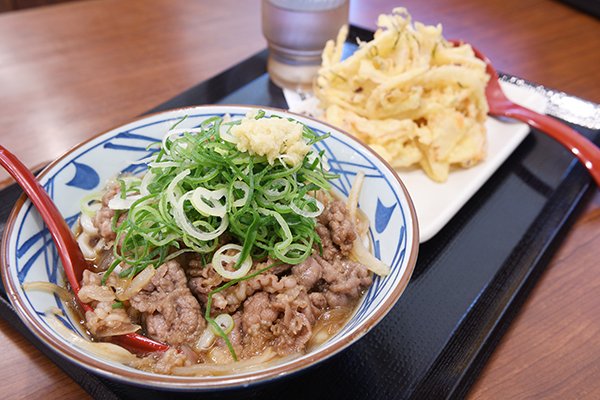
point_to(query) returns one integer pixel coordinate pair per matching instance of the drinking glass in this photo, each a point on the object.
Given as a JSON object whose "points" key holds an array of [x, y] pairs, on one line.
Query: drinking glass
{"points": [[296, 32]]}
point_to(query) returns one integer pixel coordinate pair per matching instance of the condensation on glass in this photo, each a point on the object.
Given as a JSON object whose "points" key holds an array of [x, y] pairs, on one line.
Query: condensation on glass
{"points": [[296, 32]]}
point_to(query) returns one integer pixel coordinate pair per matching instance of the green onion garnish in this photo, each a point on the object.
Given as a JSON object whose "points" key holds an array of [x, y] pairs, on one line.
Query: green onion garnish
{"points": [[262, 206]]}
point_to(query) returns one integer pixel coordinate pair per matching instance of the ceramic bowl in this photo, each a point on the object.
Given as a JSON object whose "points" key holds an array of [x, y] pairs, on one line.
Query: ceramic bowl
{"points": [[29, 255]]}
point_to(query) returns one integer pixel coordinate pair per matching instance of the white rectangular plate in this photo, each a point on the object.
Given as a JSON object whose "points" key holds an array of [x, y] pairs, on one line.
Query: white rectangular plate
{"points": [[437, 203]]}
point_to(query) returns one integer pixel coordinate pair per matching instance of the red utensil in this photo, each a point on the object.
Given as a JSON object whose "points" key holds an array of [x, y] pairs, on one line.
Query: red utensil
{"points": [[72, 259], [499, 105]]}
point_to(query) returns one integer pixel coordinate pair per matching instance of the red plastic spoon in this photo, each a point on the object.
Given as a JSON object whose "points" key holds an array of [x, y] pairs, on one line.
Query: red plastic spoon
{"points": [[72, 259], [585, 150]]}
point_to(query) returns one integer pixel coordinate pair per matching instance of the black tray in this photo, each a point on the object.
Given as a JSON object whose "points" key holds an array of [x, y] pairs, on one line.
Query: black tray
{"points": [[468, 284]]}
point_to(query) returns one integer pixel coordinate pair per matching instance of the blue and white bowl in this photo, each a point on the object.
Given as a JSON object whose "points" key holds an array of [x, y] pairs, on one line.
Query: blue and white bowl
{"points": [[29, 254]]}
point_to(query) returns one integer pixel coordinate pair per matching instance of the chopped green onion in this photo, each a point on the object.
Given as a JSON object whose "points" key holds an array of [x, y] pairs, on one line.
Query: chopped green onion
{"points": [[117, 304], [225, 322], [199, 185]]}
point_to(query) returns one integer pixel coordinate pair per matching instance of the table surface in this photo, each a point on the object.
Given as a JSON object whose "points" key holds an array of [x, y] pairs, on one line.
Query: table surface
{"points": [[73, 70]]}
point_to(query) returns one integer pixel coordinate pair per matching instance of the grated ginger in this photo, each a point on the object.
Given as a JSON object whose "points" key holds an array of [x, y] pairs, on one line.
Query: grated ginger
{"points": [[274, 138]]}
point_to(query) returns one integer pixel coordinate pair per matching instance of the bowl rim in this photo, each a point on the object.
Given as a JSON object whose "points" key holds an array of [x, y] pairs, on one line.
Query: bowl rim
{"points": [[200, 383]]}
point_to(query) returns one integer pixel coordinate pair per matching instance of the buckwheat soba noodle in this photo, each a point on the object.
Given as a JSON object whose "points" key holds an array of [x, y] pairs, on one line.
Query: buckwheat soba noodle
{"points": [[231, 249]]}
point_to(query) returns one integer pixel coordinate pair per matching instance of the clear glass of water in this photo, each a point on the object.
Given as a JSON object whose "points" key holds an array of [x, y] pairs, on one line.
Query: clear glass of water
{"points": [[296, 32]]}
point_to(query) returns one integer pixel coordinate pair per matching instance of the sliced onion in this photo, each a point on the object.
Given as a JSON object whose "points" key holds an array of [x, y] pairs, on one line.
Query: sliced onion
{"points": [[291, 161], [118, 269], [246, 189], [87, 225], [172, 191], [249, 364], [213, 197], [352, 202], [106, 350], [91, 209], [137, 283], [49, 287], [359, 251], [275, 194], [83, 240], [164, 164], [184, 223], [225, 322], [225, 135], [328, 323], [118, 284], [144, 160], [308, 214], [176, 132], [145, 182], [117, 203], [246, 170], [206, 340], [122, 329], [89, 293], [364, 256], [220, 259]]}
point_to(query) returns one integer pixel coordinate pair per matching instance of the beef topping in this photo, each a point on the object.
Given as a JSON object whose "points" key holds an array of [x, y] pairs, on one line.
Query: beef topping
{"points": [[104, 216], [336, 230], [171, 313]]}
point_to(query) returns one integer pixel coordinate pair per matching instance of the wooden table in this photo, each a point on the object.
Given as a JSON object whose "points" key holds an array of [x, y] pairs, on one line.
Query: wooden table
{"points": [[73, 70]]}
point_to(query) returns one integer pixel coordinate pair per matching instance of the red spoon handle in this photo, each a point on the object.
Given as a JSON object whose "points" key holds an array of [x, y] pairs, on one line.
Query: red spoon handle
{"points": [[70, 255], [138, 344], [585, 150]]}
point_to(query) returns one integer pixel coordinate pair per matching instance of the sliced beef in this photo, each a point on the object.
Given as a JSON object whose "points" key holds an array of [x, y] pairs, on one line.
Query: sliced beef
{"points": [[336, 230], [202, 279], [279, 312], [257, 318], [318, 301], [170, 311], [280, 269], [236, 335], [291, 337], [230, 299], [281, 321], [163, 362], [308, 272], [258, 312], [295, 300], [104, 216], [346, 280]]}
